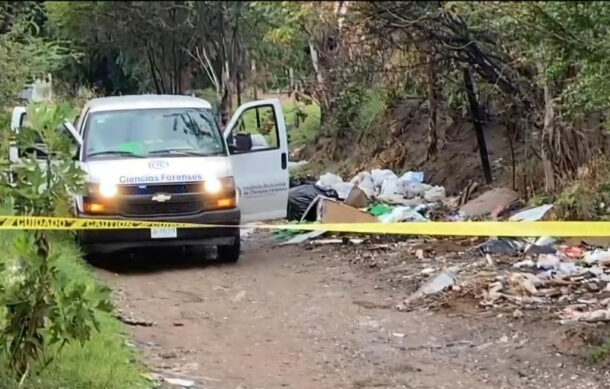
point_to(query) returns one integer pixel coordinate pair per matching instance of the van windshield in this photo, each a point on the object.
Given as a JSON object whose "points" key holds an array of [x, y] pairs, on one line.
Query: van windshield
{"points": [[152, 132]]}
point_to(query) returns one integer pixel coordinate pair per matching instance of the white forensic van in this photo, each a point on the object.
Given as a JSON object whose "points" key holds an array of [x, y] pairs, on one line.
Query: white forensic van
{"points": [[164, 158]]}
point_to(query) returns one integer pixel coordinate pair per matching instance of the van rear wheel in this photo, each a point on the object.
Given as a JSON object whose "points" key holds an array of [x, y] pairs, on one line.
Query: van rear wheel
{"points": [[230, 253]]}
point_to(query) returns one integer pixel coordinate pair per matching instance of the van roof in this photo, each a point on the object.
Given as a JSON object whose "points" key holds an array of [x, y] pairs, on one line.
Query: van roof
{"points": [[117, 103]]}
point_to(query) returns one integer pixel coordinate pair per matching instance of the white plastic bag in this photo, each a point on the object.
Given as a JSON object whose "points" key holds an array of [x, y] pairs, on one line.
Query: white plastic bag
{"points": [[435, 194], [402, 214], [380, 175], [343, 189], [412, 176], [391, 187], [414, 189], [364, 181], [328, 180]]}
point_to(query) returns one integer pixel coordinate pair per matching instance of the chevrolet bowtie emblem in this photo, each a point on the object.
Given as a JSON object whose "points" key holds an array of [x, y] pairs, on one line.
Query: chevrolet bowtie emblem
{"points": [[160, 197]]}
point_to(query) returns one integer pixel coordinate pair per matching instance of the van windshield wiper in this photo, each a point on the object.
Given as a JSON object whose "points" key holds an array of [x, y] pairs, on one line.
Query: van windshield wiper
{"points": [[115, 152], [183, 151]]}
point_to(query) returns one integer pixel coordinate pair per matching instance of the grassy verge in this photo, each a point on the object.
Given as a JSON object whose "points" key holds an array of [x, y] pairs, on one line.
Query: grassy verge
{"points": [[104, 362], [308, 130], [600, 354]]}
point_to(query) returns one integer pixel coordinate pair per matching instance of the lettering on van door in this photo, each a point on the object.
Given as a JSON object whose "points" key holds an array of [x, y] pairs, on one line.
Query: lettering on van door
{"points": [[257, 190]]}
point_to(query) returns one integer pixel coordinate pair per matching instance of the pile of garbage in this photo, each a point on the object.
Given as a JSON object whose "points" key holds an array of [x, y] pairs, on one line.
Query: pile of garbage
{"points": [[571, 280], [380, 192], [572, 277]]}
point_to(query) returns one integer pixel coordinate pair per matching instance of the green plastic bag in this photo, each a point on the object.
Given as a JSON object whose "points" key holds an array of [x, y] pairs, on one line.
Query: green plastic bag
{"points": [[379, 209]]}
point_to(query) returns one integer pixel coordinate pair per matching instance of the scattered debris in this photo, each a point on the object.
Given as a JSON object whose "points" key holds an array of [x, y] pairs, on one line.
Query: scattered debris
{"points": [[180, 382], [525, 263], [344, 240], [357, 198], [300, 197], [489, 202], [304, 237], [402, 214], [379, 209], [597, 256], [380, 175], [295, 165], [330, 211], [572, 252], [384, 187], [547, 261], [502, 246], [524, 283], [436, 284], [239, 296], [532, 214], [542, 245], [435, 194], [571, 314], [133, 321], [364, 181]]}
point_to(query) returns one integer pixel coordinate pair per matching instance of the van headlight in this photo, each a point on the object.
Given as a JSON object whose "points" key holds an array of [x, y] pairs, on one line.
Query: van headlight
{"points": [[212, 185], [108, 190]]}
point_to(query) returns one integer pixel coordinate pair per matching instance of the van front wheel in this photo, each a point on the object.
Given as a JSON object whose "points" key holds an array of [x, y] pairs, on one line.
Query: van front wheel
{"points": [[230, 253]]}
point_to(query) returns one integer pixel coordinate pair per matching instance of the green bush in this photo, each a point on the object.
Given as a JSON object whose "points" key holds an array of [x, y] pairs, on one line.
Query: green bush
{"points": [[42, 308], [588, 197]]}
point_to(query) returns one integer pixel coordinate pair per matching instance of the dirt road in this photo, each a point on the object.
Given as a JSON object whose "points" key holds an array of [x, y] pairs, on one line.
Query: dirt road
{"points": [[287, 317]]}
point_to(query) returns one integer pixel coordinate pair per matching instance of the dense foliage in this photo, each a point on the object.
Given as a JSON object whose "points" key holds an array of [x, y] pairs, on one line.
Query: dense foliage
{"points": [[42, 308]]}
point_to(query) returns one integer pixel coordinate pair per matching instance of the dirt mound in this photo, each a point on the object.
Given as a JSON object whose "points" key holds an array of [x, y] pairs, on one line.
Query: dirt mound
{"points": [[399, 142]]}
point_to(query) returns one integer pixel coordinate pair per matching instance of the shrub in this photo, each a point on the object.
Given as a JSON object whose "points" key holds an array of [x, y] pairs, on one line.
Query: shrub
{"points": [[42, 308]]}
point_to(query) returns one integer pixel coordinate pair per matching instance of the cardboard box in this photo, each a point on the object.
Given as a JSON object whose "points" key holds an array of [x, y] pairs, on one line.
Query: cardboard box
{"points": [[331, 211]]}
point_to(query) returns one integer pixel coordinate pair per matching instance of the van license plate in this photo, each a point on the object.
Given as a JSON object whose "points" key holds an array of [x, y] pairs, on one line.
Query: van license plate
{"points": [[163, 232]]}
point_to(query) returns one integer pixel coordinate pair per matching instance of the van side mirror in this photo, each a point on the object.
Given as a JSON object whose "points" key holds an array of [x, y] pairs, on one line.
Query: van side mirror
{"points": [[73, 133]]}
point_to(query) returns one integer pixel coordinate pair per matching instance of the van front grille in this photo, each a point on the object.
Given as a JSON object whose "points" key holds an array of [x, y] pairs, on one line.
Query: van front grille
{"points": [[169, 208], [151, 189]]}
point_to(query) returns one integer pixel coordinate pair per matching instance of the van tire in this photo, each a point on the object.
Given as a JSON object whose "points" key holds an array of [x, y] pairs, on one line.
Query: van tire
{"points": [[93, 257], [230, 253]]}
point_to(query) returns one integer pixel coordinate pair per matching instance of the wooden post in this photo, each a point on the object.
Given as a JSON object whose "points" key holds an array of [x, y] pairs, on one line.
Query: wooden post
{"points": [[477, 121]]}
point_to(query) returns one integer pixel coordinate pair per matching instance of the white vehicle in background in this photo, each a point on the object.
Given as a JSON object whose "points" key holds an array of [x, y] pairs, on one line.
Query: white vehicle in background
{"points": [[164, 158]]}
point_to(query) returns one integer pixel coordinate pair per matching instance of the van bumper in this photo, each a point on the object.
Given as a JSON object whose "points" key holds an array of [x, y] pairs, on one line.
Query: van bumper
{"points": [[103, 241]]}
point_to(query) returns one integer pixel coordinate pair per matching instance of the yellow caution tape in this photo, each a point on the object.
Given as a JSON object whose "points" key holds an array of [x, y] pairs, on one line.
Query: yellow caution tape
{"points": [[70, 223], [525, 229]]}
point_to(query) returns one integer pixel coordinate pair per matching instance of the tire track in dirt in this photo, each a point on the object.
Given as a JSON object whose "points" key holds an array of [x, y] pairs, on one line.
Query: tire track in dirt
{"points": [[285, 317]]}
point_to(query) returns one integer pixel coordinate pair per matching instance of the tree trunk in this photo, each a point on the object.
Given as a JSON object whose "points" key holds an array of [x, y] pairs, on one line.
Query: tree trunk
{"points": [[225, 101], [511, 130], [315, 62], [433, 108], [547, 140], [255, 91], [291, 78], [477, 121], [238, 87]]}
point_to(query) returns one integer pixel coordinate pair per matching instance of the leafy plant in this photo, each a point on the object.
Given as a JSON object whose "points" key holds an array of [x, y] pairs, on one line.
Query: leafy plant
{"points": [[601, 353], [41, 307], [588, 198]]}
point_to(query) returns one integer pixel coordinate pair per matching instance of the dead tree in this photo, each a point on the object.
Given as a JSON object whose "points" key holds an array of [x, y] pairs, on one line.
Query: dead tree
{"points": [[477, 121]]}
